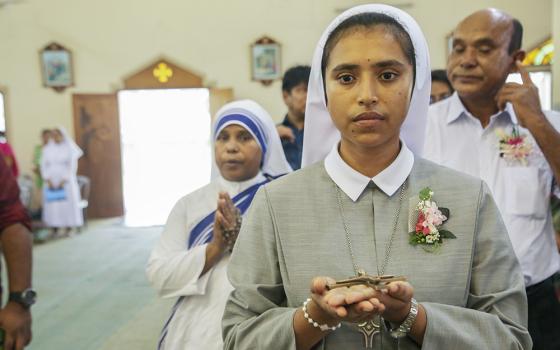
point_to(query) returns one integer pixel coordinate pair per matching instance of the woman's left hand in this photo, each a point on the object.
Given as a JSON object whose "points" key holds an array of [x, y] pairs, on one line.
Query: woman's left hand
{"points": [[397, 301], [393, 302], [353, 304]]}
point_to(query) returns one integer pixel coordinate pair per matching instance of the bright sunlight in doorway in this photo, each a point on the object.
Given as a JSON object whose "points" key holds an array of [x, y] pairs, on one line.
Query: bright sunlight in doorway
{"points": [[165, 137]]}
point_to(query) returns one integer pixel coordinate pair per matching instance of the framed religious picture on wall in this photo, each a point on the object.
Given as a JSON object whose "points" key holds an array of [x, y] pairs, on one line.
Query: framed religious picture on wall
{"points": [[265, 60], [56, 67]]}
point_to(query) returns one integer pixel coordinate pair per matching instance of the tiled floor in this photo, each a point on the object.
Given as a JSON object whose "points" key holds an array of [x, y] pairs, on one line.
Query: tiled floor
{"points": [[93, 293]]}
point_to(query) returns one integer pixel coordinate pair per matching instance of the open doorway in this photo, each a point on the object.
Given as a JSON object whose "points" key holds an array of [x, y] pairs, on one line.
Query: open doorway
{"points": [[165, 138]]}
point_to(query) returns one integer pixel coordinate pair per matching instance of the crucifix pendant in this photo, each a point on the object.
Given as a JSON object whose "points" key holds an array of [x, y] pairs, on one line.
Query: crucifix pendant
{"points": [[375, 282], [369, 329]]}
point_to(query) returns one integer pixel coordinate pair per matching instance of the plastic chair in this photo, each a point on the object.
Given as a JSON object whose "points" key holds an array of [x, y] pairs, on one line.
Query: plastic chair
{"points": [[84, 183]]}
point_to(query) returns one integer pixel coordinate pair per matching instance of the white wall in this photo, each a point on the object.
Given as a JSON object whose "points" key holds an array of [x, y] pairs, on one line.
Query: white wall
{"points": [[111, 39]]}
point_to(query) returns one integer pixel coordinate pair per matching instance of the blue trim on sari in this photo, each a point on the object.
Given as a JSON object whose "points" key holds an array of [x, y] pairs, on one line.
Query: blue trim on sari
{"points": [[247, 121], [203, 231]]}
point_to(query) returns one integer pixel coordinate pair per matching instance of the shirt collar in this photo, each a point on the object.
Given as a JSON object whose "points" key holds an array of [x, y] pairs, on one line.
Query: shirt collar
{"points": [[354, 183], [288, 123], [458, 109]]}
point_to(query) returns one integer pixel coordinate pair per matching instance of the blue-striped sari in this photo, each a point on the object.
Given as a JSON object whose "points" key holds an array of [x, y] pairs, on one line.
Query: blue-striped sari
{"points": [[203, 232]]}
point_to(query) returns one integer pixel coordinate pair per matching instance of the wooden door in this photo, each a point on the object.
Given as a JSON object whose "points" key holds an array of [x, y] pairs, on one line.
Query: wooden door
{"points": [[218, 98], [97, 132]]}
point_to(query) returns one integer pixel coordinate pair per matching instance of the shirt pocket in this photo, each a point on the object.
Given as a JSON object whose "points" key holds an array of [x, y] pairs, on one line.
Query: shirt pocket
{"points": [[524, 192]]}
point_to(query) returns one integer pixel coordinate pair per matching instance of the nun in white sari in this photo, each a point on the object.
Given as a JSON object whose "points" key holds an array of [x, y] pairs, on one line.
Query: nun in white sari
{"points": [[189, 262], [61, 193], [365, 202]]}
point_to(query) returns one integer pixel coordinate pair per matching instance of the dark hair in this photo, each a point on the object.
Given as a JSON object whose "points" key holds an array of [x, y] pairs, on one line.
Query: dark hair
{"points": [[46, 131], [295, 76], [370, 20], [441, 75], [516, 36]]}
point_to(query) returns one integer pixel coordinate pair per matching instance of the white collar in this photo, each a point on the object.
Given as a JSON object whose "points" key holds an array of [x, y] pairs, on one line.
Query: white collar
{"points": [[458, 109], [353, 183], [235, 187]]}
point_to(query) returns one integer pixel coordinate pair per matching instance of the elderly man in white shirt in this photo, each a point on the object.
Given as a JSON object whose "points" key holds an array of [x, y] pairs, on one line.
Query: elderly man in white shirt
{"points": [[497, 131]]}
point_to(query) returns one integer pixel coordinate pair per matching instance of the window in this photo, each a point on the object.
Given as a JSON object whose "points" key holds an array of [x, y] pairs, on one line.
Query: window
{"points": [[541, 55], [543, 81], [538, 61]]}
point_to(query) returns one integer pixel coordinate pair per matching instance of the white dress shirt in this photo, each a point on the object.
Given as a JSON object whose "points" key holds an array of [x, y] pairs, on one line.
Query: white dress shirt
{"points": [[175, 271], [456, 139], [354, 183]]}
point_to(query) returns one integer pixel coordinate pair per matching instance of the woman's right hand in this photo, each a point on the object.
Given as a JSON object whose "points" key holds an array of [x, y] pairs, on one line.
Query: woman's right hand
{"points": [[355, 304], [218, 242], [218, 245], [229, 219], [225, 219]]}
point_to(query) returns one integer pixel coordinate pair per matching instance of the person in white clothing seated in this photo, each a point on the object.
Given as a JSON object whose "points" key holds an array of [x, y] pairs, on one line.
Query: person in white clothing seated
{"points": [[190, 260]]}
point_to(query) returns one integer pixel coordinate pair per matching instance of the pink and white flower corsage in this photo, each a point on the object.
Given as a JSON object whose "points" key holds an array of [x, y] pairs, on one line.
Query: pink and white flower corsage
{"points": [[428, 230], [515, 148]]}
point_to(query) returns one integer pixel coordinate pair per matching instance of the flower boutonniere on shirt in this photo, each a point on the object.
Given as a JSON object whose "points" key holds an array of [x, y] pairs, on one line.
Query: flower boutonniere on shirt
{"points": [[428, 230], [515, 148]]}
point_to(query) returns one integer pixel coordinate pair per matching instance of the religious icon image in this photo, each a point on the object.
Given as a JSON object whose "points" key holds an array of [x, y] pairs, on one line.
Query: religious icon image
{"points": [[56, 66], [265, 55]]}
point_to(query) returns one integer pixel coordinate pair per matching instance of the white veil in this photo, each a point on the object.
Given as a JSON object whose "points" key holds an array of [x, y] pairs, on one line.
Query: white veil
{"points": [[69, 143], [320, 133], [274, 161]]}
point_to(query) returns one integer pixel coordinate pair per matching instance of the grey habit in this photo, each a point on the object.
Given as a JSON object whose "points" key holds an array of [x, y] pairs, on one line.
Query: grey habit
{"points": [[472, 290]]}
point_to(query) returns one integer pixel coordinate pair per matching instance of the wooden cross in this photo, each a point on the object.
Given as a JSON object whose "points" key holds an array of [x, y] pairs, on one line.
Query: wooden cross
{"points": [[375, 282]]}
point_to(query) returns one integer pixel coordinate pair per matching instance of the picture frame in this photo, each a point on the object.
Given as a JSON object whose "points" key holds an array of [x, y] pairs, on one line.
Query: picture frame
{"points": [[266, 60], [56, 67]]}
